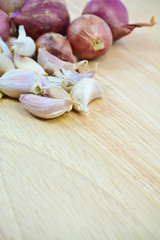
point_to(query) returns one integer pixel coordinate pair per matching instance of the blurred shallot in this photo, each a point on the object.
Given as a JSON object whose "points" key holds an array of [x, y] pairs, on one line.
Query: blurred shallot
{"points": [[115, 14], [39, 17]]}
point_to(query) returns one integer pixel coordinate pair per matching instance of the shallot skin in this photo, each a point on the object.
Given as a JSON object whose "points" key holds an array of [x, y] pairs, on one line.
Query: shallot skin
{"points": [[4, 26], [57, 45], [90, 37], [39, 17], [115, 14]]}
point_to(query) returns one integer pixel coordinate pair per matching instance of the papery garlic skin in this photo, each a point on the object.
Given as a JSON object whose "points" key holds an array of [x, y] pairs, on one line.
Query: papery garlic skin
{"points": [[4, 49], [44, 107], [16, 82], [27, 63], [84, 92], [5, 64], [23, 45]]}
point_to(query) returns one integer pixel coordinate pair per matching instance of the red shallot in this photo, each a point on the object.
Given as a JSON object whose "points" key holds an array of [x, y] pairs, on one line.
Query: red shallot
{"points": [[115, 14], [4, 26], [57, 45], [90, 37], [39, 17]]}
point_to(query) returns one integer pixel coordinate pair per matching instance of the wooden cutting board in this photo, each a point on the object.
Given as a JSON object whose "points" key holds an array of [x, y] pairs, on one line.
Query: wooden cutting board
{"points": [[94, 177]]}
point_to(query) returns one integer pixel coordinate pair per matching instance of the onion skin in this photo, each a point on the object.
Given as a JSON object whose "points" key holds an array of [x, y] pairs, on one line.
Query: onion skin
{"points": [[90, 37], [115, 14], [4, 26], [39, 17], [57, 45]]}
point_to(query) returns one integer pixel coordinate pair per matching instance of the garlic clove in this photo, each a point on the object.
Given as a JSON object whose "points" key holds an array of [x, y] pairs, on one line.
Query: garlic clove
{"points": [[51, 63], [5, 64], [48, 61], [55, 80], [44, 107], [27, 63], [4, 49], [16, 82], [58, 81], [23, 45], [74, 77], [46, 83], [84, 92], [10, 42], [58, 93]]}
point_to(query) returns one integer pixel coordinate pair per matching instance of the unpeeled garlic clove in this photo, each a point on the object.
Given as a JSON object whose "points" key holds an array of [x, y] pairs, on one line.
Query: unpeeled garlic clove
{"points": [[10, 42], [23, 45], [5, 64], [50, 63], [58, 81], [44, 107], [74, 77], [4, 49], [58, 93], [27, 63], [84, 92], [16, 82]]}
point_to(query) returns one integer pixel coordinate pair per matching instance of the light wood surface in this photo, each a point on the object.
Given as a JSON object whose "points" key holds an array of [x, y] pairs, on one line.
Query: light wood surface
{"points": [[94, 177]]}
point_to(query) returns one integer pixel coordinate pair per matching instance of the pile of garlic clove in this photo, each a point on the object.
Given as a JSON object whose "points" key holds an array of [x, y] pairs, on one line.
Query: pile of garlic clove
{"points": [[47, 87]]}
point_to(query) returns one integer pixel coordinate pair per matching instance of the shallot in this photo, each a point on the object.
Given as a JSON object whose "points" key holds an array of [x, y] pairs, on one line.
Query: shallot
{"points": [[90, 37], [39, 17], [115, 14], [4, 26], [57, 45]]}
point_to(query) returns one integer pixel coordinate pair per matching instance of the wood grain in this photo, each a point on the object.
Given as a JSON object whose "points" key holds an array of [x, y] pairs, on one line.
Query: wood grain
{"points": [[94, 177]]}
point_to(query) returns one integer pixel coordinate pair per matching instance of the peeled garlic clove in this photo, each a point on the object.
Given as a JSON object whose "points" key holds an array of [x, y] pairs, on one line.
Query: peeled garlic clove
{"points": [[58, 93], [23, 45], [44, 107], [4, 49], [5, 64], [16, 82], [84, 92], [27, 63]]}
